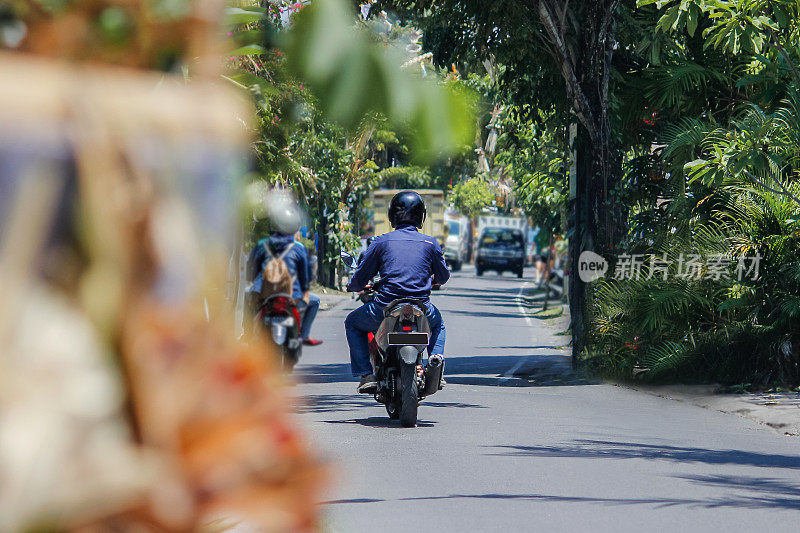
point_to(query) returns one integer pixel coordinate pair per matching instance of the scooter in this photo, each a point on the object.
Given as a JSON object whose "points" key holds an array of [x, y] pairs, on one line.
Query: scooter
{"points": [[282, 315], [396, 354]]}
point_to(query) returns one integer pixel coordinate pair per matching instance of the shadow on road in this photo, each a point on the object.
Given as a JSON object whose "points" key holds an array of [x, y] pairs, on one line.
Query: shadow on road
{"points": [[498, 364], [490, 381], [380, 422], [353, 500], [483, 292], [333, 373], [494, 304], [742, 502], [768, 492], [522, 347], [486, 296], [489, 370], [484, 314], [757, 492], [329, 403], [597, 449], [528, 371]]}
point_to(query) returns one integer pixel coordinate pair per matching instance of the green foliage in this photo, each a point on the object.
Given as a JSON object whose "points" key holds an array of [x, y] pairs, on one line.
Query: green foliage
{"points": [[704, 330], [335, 106], [235, 16], [465, 33], [756, 146], [737, 25], [534, 155], [471, 196], [407, 177], [351, 78], [739, 197], [677, 81], [760, 35], [721, 80]]}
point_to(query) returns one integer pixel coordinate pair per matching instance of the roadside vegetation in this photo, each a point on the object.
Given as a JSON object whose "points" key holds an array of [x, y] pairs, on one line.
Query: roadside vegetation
{"points": [[697, 158], [334, 126], [723, 183], [677, 120]]}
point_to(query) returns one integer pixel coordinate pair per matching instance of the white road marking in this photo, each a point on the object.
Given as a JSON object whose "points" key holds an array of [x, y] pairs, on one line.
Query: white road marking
{"points": [[521, 300], [509, 374]]}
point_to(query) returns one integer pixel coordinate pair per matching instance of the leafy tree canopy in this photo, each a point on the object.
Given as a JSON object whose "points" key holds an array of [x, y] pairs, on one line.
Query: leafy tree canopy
{"points": [[471, 196]]}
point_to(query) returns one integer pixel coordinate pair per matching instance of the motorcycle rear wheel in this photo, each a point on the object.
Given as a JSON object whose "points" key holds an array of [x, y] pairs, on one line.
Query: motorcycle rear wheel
{"points": [[393, 410], [290, 357], [409, 395]]}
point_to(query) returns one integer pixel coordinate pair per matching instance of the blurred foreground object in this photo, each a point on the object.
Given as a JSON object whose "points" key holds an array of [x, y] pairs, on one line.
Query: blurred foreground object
{"points": [[147, 34], [125, 401]]}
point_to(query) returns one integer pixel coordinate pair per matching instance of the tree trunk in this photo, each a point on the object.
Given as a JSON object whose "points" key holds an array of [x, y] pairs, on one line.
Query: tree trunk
{"points": [[596, 222], [547, 271], [324, 275], [583, 225]]}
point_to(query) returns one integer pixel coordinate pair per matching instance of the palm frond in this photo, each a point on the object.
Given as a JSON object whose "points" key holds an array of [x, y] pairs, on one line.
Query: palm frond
{"points": [[664, 357], [670, 84], [684, 135]]}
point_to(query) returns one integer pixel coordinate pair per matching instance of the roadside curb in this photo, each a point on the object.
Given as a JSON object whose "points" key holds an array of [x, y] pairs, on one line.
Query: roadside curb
{"points": [[539, 369], [530, 306], [779, 411], [328, 302]]}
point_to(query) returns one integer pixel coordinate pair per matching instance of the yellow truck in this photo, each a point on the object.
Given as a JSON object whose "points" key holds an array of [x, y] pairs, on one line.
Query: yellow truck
{"points": [[434, 221]]}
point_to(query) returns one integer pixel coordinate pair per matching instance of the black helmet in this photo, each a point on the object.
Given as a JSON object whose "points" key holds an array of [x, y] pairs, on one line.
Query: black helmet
{"points": [[407, 207]]}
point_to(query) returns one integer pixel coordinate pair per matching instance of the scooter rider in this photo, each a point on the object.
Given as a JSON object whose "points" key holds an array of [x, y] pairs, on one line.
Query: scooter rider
{"points": [[287, 220], [409, 263]]}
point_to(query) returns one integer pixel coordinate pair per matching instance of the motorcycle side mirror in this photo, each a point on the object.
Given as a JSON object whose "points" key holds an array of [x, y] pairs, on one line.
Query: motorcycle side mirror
{"points": [[347, 259]]}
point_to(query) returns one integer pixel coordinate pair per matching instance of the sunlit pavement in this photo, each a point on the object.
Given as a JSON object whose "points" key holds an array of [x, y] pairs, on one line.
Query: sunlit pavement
{"points": [[497, 453]]}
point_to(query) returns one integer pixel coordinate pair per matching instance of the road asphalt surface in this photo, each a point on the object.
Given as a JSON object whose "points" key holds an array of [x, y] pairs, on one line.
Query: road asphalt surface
{"points": [[551, 452]]}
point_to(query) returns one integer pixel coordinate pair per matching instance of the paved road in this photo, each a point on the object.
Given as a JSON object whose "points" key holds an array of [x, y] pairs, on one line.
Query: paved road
{"points": [[496, 453]]}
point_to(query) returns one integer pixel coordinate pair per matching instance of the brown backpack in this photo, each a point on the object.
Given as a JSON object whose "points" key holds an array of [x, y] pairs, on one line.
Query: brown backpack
{"points": [[276, 276]]}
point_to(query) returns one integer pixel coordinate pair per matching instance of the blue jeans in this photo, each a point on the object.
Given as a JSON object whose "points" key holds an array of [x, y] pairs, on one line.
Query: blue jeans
{"points": [[367, 319], [308, 318]]}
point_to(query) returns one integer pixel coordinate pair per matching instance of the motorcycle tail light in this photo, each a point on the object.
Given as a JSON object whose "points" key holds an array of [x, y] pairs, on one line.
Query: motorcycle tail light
{"points": [[280, 305], [407, 328]]}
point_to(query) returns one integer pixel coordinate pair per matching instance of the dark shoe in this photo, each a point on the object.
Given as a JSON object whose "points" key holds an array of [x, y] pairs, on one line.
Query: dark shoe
{"points": [[311, 342], [368, 384]]}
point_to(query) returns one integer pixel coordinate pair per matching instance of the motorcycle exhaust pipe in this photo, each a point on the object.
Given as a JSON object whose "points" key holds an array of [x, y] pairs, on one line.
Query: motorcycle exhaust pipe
{"points": [[433, 374]]}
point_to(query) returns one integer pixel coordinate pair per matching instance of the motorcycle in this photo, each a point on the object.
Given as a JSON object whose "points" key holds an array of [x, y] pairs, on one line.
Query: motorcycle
{"points": [[396, 350], [282, 315]]}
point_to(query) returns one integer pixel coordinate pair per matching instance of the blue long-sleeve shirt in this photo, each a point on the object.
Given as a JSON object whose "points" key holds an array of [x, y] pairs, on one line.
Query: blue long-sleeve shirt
{"points": [[406, 259], [296, 262]]}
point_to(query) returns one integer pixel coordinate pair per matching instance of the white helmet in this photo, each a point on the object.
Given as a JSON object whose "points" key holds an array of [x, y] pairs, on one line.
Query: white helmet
{"points": [[279, 205], [283, 211]]}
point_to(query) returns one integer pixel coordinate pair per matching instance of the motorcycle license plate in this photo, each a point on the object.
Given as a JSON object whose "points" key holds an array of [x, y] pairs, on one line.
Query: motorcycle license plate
{"points": [[286, 322], [408, 339]]}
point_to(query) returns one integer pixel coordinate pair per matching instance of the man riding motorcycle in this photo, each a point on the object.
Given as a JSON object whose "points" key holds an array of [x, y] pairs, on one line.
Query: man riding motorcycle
{"points": [[297, 263], [409, 263]]}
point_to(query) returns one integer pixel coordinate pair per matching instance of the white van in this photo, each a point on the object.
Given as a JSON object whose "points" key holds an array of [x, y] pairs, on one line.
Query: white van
{"points": [[457, 241]]}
